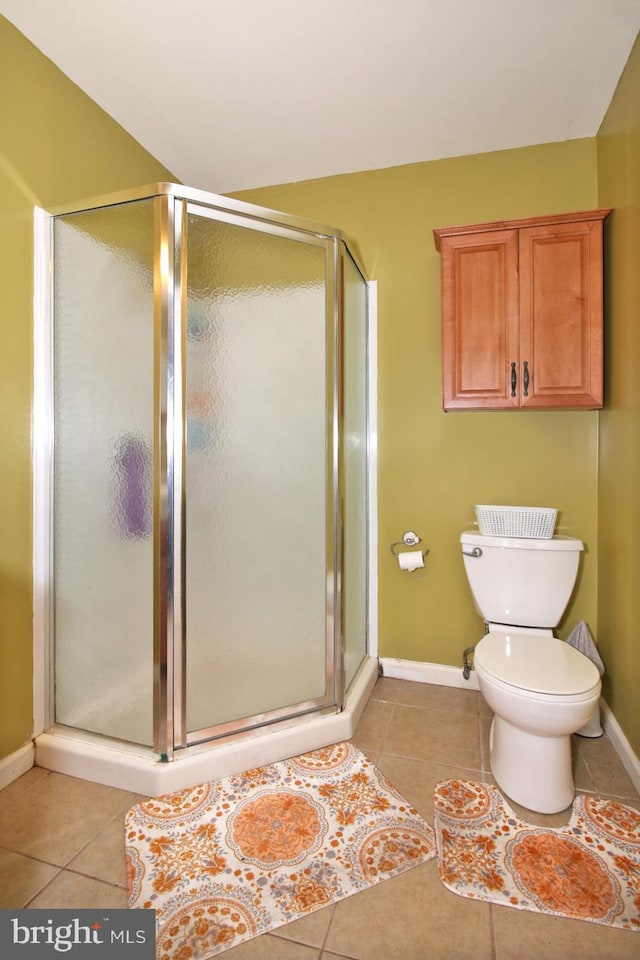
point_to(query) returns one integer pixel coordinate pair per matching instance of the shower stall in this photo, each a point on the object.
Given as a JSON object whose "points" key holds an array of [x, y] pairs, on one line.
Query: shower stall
{"points": [[201, 492]]}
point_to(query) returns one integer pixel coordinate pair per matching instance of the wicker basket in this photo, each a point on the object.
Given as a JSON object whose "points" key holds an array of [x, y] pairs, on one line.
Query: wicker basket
{"points": [[533, 522]]}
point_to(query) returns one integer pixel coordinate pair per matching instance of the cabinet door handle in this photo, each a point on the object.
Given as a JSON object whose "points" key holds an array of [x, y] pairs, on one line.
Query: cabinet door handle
{"points": [[514, 379], [526, 378]]}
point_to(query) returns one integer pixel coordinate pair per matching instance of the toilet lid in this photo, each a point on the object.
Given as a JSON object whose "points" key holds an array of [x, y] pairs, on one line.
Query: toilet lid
{"points": [[539, 664]]}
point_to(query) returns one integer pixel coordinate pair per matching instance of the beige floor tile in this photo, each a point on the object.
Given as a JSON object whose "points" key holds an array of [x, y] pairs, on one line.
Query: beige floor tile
{"points": [[485, 741], [268, 947], [417, 735], [583, 779], [386, 689], [523, 935], [62, 815], [428, 695], [550, 820], [311, 930], [23, 783], [411, 917], [604, 766], [103, 857], [440, 736], [22, 878], [69, 889], [372, 728], [416, 780]]}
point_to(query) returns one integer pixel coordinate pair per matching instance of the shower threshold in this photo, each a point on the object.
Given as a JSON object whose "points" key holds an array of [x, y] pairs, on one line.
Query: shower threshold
{"points": [[130, 767]]}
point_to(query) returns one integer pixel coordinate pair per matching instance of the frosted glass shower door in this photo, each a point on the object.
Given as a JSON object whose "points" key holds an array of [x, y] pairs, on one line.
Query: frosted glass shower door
{"points": [[258, 474], [103, 362]]}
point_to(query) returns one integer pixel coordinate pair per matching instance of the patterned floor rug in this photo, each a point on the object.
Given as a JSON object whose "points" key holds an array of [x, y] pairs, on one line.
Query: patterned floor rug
{"points": [[587, 870], [231, 859]]}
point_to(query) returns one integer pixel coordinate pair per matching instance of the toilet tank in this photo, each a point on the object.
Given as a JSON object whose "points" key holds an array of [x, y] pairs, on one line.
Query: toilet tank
{"points": [[521, 582]]}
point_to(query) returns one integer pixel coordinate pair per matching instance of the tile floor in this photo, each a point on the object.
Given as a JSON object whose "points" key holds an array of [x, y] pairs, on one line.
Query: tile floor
{"points": [[61, 845]]}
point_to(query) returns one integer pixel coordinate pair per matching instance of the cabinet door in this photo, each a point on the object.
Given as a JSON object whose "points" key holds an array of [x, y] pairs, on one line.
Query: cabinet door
{"points": [[561, 315], [480, 320]]}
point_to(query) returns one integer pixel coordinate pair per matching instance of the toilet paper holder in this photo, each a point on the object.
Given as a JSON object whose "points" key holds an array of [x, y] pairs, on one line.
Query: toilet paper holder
{"points": [[409, 539]]}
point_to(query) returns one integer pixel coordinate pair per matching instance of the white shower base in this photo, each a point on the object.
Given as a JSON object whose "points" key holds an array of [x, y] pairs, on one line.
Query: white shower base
{"points": [[128, 767]]}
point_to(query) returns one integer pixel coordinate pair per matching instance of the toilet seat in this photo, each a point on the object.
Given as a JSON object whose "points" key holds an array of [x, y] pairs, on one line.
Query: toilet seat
{"points": [[543, 666]]}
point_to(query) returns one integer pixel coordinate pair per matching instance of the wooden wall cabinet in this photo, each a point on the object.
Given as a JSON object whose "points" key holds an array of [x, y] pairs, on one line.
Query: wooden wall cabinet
{"points": [[522, 313]]}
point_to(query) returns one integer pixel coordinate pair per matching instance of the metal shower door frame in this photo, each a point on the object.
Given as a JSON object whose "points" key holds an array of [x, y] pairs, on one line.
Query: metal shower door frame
{"points": [[172, 203], [170, 627]]}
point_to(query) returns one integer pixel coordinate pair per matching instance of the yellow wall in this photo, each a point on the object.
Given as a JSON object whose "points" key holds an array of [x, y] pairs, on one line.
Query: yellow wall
{"points": [[56, 146], [619, 479], [433, 467]]}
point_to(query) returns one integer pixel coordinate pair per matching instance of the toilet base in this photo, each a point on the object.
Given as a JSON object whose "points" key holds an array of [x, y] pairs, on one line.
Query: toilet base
{"points": [[535, 771]]}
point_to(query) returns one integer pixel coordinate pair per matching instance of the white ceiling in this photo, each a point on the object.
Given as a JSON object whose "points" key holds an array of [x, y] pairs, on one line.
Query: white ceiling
{"points": [[231, 94]]}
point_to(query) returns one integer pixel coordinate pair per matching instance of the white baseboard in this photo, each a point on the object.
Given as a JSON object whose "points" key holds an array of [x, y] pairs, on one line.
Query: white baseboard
{"points": [[439, 673], [623, 748], [16, 764]]}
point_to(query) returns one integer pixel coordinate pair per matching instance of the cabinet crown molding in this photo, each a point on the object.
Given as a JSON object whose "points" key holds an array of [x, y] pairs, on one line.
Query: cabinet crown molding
{"points": [[549, 220]]}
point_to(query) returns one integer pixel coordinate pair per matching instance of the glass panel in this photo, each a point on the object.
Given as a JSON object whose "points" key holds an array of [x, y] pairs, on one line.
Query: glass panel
{"points": [[355, 581], [255, 472], [103, 490]]}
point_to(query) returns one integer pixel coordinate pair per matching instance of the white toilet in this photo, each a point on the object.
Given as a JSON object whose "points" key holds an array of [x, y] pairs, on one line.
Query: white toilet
{"points": [[540, 689]]}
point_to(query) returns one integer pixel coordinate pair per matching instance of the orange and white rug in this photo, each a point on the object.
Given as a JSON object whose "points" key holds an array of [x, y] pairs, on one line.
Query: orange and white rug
{"points": [[228, 860], [587, 870]]}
